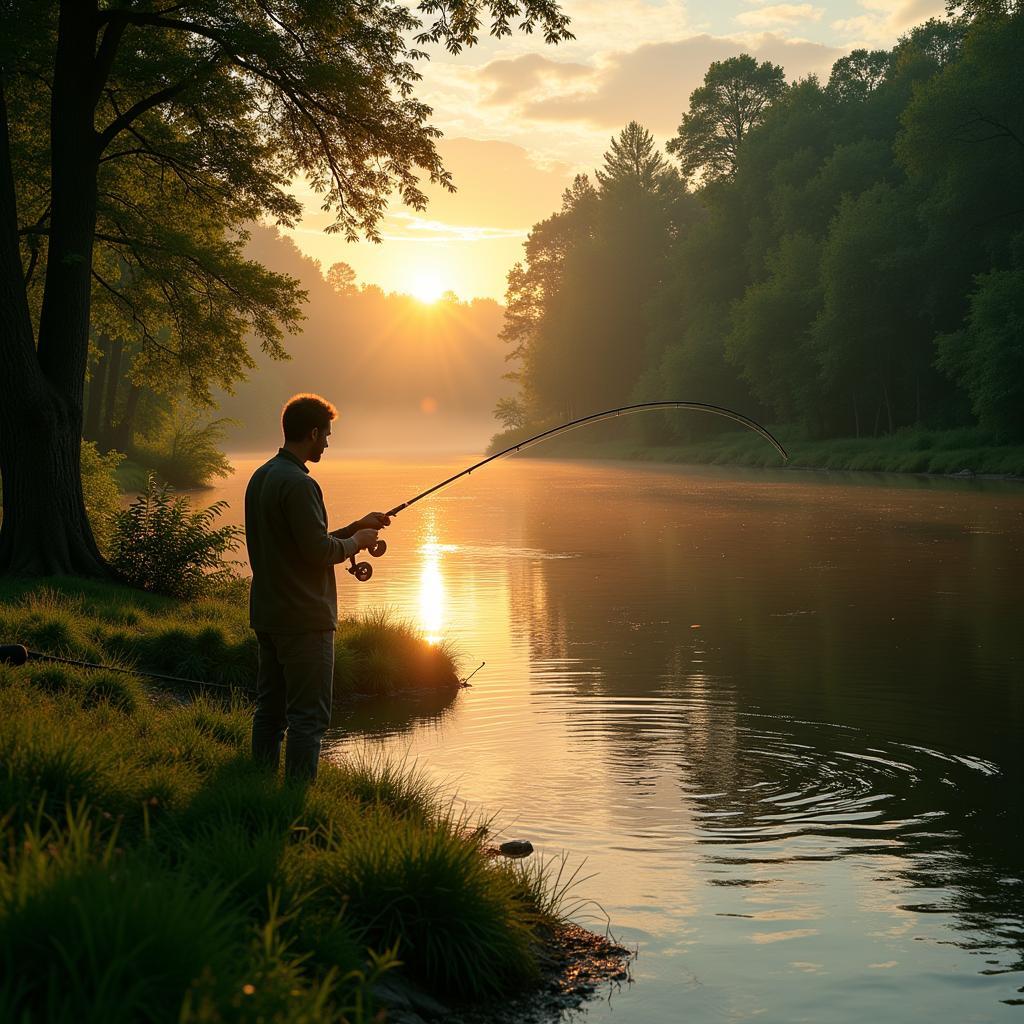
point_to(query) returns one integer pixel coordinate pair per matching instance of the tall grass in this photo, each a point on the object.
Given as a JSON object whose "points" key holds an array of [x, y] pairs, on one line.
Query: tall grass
{"points": [[207, 639], [149, 870]]}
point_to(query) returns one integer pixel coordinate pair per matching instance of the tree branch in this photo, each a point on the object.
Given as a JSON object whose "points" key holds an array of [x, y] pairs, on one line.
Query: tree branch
{"points": [[105, 55], [120, 123]]}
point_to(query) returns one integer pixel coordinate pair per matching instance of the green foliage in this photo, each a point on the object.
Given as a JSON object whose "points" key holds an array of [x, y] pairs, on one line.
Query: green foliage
{"points": [[428, 892], [987, 356], [733, 100], [101, 492], [387, 654], [847, 267], [182, 452], [163, 546], [113, 942], [149, 870], [206, 638]]}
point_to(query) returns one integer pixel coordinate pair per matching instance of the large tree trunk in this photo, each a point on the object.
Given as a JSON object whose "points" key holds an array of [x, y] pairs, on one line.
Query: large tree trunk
{"points": [[45, 528]]}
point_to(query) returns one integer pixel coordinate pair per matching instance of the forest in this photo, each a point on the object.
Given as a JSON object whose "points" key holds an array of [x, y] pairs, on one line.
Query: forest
{"points": [[842, 258]]}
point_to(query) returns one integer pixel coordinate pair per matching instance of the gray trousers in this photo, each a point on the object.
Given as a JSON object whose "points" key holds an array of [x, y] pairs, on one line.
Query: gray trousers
{"points": [[293, 694]]}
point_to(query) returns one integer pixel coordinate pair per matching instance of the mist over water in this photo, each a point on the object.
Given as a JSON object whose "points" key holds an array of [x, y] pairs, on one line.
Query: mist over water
{"points": [[778, 715]]}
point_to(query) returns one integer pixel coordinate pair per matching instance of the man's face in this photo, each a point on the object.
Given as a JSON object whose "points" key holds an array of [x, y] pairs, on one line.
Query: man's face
{"points": [[319, 442]]}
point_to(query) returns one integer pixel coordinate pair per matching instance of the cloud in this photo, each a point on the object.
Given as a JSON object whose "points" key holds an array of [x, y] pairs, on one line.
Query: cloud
{"points": [[514, 76], [886, 20], [405, 226], [499, 185], [779, 14], [652, 84]]}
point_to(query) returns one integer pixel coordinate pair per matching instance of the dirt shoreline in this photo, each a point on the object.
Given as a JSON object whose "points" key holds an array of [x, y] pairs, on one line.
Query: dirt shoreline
{"points": [[575, 964]]}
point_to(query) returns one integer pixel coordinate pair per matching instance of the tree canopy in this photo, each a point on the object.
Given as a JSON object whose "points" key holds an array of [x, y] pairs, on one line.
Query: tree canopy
{"points": [[137, 140], [847, 260], [733, 99]]}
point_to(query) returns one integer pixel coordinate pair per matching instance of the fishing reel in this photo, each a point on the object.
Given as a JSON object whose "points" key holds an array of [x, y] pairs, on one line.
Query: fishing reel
{"points": [[363, 570]]}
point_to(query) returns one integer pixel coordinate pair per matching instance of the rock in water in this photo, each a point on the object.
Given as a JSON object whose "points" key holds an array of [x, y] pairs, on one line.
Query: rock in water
{"points": [[516, 848]]}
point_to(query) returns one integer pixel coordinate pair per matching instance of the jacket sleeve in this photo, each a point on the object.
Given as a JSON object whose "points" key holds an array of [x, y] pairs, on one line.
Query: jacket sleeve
{"points": [[304, 512]]}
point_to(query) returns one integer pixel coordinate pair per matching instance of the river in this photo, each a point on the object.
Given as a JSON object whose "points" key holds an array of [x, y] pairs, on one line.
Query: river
{"points": [[776, 716]]}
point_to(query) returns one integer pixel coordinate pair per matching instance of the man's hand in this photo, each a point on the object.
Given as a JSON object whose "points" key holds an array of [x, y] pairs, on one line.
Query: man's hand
{"points": [[364, 539], [373, 521]]}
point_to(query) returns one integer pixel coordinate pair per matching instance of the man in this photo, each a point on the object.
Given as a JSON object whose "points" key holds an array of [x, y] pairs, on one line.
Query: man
{"points": [[293, 604]]}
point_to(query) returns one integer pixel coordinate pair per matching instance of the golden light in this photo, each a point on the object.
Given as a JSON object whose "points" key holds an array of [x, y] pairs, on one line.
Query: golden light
{"points": [[433, 597], [431, 592], [427, 286]]}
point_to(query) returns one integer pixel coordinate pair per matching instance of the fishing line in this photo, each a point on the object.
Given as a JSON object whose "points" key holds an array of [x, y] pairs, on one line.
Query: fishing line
{"points": [[364, 570], [625, 410]]}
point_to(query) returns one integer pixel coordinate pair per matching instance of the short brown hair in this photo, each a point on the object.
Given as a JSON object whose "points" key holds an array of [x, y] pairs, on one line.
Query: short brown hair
{"points": [[304, 412]]}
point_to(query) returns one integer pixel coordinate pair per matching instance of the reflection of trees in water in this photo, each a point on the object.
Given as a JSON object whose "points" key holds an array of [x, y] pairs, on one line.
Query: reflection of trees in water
{"points": [[897, 622]]}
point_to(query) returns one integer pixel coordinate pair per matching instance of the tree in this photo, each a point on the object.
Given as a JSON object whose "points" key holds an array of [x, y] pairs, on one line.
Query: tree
{"points": [[733, 99], [770, 336], [987, 357], [855, 76], [633, 161], [532, 287], [509, 412], [342, 278], [228, 102], [874, 334]]}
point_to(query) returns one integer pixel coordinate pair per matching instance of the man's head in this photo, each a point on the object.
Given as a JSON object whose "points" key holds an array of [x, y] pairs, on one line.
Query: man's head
{"points": [[306, 421]]}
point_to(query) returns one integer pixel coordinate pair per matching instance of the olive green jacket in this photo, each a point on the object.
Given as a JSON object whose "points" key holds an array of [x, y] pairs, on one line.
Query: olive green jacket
{"points": [[291, 554]]}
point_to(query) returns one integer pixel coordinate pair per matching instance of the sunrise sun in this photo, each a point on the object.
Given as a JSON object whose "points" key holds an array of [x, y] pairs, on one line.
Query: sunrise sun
{"points": [[426, 285]]}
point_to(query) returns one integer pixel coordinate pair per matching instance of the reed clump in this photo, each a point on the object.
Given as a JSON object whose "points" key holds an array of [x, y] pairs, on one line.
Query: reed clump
{"points": [[150, 870]]}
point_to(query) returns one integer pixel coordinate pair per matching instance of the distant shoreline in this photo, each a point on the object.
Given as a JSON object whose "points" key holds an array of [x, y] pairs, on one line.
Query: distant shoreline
{"points": [[952, 454]]}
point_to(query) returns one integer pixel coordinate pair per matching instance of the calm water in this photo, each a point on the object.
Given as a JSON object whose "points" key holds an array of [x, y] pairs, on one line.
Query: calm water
{"points": [[778, 715]]}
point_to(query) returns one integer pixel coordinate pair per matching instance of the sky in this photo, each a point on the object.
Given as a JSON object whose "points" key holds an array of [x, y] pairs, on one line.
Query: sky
{"points": [[521, 118]]}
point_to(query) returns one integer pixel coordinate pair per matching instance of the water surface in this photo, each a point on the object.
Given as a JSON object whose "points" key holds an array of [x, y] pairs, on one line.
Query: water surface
{"points": [[778, 715]]}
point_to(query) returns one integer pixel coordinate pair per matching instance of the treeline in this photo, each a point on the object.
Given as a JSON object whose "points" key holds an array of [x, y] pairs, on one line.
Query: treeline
{"points": [[845, 258]]}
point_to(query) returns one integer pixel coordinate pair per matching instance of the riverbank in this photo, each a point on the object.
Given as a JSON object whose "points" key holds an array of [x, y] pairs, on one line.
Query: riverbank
{"points": [[208, 639], [151, 870], [968, 452]]}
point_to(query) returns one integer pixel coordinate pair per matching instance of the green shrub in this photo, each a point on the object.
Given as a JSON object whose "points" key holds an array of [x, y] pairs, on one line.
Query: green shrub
{"points": [[160, 544], [182, 452]]}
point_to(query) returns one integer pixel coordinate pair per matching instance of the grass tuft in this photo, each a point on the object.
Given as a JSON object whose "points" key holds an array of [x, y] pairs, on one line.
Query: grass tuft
{"points": [[451, 914]]}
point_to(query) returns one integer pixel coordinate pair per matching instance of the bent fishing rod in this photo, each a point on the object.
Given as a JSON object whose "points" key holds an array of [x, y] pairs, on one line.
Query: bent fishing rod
{"points": [[364, 570]]}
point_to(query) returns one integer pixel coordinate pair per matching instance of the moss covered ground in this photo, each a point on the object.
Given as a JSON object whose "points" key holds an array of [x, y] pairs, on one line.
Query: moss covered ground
{"points": [[150, 871]]}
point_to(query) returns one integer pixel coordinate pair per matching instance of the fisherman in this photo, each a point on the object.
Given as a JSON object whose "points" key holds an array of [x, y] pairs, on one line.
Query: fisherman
{"points": [[293, 603]]}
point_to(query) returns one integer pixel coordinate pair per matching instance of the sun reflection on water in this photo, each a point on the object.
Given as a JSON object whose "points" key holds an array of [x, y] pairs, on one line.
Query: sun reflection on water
{"points": [[433, 597]]}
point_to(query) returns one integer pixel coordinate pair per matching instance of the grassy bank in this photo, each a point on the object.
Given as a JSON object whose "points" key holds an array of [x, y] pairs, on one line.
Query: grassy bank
{"points": [[907, 451], [207, 639], [150, 871]]}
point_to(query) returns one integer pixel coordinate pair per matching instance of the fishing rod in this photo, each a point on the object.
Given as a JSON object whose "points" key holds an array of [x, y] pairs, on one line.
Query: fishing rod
{"points": [[364, 570], [18, 654]]}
